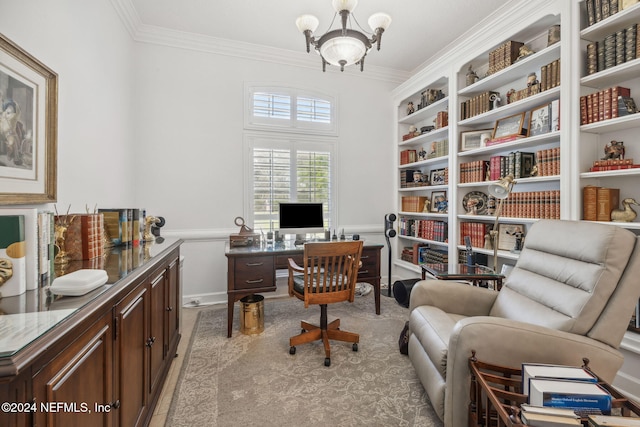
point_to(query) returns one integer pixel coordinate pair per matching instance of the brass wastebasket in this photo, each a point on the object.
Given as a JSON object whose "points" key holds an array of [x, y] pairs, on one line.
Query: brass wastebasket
{"points": [[252, 314]]}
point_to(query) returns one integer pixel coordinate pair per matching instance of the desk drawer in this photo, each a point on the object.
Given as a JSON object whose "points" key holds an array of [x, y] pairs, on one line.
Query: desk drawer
{"points": [[282, 261], [254, 272], [369, 267]]}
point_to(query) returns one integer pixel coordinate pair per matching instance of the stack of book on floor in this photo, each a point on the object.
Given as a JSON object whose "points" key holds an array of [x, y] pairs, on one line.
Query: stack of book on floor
{"points": [[551, 388]]}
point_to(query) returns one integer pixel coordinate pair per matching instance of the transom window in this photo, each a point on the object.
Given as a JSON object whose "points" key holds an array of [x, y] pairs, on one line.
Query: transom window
{"points": [[286, 165]]}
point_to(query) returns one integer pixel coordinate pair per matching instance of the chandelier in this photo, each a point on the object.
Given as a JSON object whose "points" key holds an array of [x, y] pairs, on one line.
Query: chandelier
{"points": [[343, 46]]}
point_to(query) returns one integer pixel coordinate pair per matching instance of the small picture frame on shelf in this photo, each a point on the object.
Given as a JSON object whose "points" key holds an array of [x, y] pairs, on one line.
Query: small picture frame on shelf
{"points": [[439, 202], [510, 237], [474, 139], [437, 177], [511, 126], [540, 120]]}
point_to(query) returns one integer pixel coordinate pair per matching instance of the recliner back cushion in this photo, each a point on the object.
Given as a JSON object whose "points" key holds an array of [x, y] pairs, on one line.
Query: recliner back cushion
{"points": [[565, 274]]}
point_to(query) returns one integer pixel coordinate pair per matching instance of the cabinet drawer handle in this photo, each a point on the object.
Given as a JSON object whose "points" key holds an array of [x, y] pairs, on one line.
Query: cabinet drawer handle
{"points": [[254, 281], [254, 264], [116, 404], [169, 308], [363, 271], [150, 341], [364, 257]]}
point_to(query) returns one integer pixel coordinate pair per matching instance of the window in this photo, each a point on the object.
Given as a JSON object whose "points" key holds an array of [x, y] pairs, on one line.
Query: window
{"points": [[284, 164], [289, 170], [289, 110]]}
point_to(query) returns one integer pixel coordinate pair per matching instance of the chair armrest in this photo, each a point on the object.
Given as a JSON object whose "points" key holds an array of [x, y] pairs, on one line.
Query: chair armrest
{"points": [[452, 297], [294, 267], [510, 343]]}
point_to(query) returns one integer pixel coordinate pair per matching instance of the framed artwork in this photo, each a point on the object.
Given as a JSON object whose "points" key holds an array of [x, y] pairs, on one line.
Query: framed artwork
{"points": [[28, 127], [540, 120], [474, 139], [439, 202], [510, 237], [509, 126], [437, 177]]}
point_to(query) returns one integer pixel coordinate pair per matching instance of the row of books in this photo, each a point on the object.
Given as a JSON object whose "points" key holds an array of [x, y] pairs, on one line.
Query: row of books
{"points": [[29, 243], [476, 232], [612, 164], [598, 202], [479, 104], [604, 105], [438, 149], [518, 164], [532, 204], [615, 49], [597, 10], [413, 203], [548, 161], [549, 78], [503, 56], [423, 228], [411, 253], [26, 256], [442, 119]]}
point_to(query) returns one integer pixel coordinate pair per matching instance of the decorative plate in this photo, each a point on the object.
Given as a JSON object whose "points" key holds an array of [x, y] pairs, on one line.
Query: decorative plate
{"points": [[475, 202]]}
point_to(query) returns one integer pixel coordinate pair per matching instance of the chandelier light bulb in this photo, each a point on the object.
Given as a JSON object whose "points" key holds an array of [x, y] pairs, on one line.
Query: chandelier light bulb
{"points": [[340, 5], [379, 20], [307, 23]]}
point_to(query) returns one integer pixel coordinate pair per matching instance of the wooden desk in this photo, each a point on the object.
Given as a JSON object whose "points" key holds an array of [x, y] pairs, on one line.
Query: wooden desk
{"points": [[252, 270]]}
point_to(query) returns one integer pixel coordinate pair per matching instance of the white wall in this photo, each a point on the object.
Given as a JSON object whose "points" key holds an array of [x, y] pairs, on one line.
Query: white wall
{"points": [[86, 45], [189, 130]]}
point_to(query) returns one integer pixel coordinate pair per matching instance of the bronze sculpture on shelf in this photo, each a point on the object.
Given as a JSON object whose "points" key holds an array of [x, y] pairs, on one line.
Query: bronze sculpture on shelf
{"points": [[149, 222], [627, 214], [62, 224], [614, 150]]}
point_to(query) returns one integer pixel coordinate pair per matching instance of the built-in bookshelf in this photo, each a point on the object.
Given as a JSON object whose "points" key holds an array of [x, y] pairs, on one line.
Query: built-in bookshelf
{"points": [[564, 154]]}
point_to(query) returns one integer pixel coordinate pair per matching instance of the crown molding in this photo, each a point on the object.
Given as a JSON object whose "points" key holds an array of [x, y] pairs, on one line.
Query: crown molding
{"points": [[144, 33]]}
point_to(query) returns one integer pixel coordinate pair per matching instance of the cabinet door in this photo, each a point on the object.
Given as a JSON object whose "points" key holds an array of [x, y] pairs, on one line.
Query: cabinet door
{"points": [[75, 389], [132, 373], [173, 307], [156, 340]]}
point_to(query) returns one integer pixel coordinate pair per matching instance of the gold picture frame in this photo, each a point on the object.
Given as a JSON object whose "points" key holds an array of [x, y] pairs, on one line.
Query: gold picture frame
{"points": [[28, 135], [510, 126]]}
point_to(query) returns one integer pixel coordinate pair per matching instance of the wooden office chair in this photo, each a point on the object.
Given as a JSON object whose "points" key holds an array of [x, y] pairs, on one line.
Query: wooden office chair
{"points": [[329, 275]]}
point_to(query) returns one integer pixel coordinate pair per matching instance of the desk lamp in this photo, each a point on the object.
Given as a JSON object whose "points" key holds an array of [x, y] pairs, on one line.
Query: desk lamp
{"points": [[500, 190]]}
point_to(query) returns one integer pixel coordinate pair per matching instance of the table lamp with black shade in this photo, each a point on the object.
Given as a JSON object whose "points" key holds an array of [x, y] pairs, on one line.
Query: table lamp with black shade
{"points": [[500, 190]]}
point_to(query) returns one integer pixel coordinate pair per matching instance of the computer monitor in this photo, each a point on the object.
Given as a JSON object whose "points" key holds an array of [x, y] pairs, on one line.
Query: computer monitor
{"points": [[301, 218]]}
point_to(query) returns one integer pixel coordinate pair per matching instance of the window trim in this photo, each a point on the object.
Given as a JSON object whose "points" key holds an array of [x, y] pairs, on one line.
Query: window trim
{"points": [[291, 125], [286, 140]]}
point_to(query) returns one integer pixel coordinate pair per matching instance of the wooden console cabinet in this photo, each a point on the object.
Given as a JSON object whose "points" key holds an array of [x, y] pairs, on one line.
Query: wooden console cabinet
{"points": [[105, 363]]}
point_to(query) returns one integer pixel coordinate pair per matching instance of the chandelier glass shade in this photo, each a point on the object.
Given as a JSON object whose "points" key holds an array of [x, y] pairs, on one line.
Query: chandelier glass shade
{"points": [[344, 46]]}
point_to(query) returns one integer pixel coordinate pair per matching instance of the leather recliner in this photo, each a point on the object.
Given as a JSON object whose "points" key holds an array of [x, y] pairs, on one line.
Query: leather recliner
{"points": [[570, 295]]}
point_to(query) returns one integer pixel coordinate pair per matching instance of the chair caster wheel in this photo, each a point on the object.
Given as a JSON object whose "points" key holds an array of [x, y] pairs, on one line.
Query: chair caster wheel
{"points": [[354, 347], [292, 350], [327, 361]]}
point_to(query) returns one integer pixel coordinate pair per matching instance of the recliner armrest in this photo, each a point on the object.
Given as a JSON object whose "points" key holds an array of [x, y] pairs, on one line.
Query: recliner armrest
{"points": [[452, 297]]}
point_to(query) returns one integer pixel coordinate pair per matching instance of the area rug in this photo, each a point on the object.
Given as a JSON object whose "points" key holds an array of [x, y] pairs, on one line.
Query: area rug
{"points": [[252, 380]]}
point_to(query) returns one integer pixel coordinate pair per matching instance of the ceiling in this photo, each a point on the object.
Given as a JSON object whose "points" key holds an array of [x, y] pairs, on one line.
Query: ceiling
{"points": [[419, 28]]}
